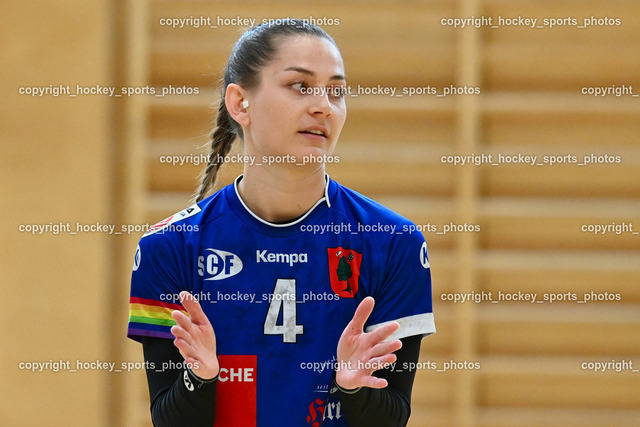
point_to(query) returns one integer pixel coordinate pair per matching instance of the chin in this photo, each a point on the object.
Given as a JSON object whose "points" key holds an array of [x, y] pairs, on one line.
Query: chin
{"points": [[313, 151]]}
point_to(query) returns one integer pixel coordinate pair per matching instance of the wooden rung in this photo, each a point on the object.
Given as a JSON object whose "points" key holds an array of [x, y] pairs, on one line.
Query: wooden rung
{"points": [[606, 180], [537, 390], [557, 261], [568, 101], [510, 66], [545, 416], [588, 313], [562, 366], [514, 207]]}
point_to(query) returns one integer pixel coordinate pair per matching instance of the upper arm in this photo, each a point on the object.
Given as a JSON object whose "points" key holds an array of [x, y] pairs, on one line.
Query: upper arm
{"points": [[404, 293], [158, 276]]}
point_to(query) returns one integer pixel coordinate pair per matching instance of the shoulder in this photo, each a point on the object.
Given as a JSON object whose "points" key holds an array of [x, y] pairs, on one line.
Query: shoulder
{"points": [[372, 216], [182, 226]]}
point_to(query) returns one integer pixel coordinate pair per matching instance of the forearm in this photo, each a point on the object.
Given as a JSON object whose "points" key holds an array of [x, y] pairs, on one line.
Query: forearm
{"points": [[375, 407], [177, 396], [389, 406]]}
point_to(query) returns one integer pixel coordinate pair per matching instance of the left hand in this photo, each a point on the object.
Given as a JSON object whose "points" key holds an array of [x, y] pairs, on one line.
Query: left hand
{"points": [[361, 353]]}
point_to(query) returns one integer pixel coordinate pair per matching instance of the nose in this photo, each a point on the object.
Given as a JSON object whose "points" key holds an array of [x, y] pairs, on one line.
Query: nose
{"points": [[321, 104]]}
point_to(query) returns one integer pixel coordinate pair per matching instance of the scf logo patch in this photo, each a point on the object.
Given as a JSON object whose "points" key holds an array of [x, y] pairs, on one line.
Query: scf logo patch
{"points": [[218, 264]]}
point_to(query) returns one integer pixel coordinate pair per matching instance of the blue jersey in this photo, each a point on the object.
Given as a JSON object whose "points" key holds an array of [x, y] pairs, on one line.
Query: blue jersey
{"points": [[280, 295]]}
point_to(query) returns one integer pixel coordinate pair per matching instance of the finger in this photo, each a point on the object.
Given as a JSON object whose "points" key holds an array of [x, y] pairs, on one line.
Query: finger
{"points": [[179, 332], [182, 320], [194, 335], [361, 315], [386, 347], [193, 308], [186, 350], [193, 364], [383, 332], [374, 382], [382, 362]]}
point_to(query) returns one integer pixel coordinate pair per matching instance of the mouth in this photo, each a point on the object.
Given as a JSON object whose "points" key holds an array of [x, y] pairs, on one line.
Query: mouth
{"points": [[315, 132]]}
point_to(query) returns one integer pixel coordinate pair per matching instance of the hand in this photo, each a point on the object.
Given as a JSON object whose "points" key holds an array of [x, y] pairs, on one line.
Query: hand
{"points": [[195, 338], [361, 353]]}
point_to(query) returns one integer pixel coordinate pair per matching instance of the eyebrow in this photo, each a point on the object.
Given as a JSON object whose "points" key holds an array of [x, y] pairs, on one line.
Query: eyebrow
{"points": [[311, 73]]}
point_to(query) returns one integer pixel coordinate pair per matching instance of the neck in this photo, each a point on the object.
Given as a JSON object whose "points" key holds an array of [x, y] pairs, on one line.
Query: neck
{"points": [[281, 194]]}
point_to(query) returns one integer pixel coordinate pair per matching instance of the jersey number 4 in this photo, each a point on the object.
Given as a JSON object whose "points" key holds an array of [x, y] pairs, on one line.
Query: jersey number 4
{"points": [[283, 299]]}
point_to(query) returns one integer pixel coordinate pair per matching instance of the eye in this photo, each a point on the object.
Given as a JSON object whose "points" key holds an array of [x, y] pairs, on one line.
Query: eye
{"points": [[337, 92], [299, 87]]}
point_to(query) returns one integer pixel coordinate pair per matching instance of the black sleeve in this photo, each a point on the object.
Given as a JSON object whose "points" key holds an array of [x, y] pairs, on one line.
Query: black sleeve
{"points": [[178, 397], [389, 406]]}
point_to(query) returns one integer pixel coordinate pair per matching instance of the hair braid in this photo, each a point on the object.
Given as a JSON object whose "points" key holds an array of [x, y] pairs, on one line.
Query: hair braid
{"points": [[222, 138]]}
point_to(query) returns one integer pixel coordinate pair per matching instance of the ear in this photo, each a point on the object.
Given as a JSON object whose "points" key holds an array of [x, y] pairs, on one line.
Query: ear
{"points": [[233, 98]]}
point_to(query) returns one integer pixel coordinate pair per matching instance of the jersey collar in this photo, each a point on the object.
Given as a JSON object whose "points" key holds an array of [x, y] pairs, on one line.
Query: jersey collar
{"points": [[325, 199]]}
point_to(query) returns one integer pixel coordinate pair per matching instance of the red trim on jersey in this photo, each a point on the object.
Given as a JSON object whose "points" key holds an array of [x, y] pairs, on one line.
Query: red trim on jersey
{"points": [[156, 303]]}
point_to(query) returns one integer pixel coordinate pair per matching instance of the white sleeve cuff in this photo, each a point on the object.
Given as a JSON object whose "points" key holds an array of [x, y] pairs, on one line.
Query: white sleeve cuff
{"points": [[418, 324]]}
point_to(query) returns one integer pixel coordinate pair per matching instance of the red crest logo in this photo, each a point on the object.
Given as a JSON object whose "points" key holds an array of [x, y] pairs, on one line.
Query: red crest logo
{"points": [[344, 271]]}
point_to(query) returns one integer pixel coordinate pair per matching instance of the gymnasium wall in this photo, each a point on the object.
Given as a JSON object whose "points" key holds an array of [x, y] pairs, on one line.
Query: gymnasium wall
{"points": [[55, 168], [501, 225]]}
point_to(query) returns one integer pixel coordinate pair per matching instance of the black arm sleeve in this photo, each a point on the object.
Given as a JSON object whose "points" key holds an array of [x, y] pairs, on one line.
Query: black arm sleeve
{"points": [[389, 406], [174, 404], [178, 397]]}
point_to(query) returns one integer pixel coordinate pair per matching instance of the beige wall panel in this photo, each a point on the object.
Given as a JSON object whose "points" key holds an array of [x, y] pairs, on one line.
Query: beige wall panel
{"points": [[55, 169]]}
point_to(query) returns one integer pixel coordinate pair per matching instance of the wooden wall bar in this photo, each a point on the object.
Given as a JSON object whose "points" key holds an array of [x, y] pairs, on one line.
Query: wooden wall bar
{"points": [[529, 226]]}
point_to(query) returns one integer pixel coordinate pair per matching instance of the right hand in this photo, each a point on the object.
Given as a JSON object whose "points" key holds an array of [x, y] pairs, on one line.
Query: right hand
{"points": [[195, 338]]}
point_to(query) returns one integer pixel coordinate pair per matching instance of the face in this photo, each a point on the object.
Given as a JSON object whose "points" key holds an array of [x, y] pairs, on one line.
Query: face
{"points": [[298, 108]]}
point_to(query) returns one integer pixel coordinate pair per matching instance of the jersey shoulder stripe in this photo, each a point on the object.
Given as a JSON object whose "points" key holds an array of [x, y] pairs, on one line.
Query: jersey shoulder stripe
{"points": [[167, 223]]}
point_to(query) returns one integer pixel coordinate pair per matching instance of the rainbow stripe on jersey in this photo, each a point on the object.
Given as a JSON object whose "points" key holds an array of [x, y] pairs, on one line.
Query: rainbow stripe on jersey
{"points": [[152, 317]]}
